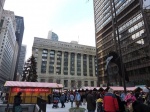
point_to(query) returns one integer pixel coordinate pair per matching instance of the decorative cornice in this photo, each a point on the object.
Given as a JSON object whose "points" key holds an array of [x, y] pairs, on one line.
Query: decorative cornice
{"points": [[63, 46]]}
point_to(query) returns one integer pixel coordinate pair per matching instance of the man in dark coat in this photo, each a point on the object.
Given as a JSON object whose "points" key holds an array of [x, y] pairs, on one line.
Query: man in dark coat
{"points": [[140, 107], [49, 98], [17, 102], [121, 104], [62, 100], [91, 103]]}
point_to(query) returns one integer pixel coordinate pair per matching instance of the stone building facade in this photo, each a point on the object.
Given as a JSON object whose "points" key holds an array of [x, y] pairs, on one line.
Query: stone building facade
{"points": [[70, 64]]}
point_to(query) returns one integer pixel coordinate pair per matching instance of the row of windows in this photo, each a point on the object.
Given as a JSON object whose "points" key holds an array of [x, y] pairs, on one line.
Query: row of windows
{"points": [[123, 6], [130, 22]]}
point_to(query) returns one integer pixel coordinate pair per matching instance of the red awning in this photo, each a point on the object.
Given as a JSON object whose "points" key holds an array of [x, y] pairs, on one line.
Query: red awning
{"points": [[32, 84]]}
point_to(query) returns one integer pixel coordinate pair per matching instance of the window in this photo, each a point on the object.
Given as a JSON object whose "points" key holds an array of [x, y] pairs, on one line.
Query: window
{"points": [[65, 83], [85, 83], [42, 80], [92, 83]]}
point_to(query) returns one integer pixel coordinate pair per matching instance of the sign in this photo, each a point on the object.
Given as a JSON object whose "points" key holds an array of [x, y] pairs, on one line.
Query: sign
{"points": [[30, 89]]}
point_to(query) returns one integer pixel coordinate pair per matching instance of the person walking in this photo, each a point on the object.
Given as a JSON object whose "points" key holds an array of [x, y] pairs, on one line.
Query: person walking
{"points": [[99, 104], [84, 98], [49, 98], [91, 103], [62, 100], [71, 99], [121, 103], [17, 101], [110, 102], [77, 99]]}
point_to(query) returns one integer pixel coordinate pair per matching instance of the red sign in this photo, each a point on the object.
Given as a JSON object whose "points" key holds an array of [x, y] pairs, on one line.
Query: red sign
{"points": [[30, 90]]}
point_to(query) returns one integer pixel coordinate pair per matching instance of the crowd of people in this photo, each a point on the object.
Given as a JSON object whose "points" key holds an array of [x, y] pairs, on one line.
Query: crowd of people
{"points": [[106, 100]]}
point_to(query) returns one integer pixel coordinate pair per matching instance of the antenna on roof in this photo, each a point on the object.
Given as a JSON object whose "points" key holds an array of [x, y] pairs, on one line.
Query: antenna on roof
{"points": [[78, 39]]}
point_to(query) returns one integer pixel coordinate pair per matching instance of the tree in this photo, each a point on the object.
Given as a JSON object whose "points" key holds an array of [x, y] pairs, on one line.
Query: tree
{"points": [[29, 72]]}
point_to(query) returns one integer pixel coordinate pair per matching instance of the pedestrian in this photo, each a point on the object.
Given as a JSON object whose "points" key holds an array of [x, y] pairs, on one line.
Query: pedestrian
{"points": [[77, 99], [71, 99], [129, 99], [91, 102], [100, 104], [17, 101], [121, 103], [84, 98], [62, 100], [140, 107], [110, 102], [49, 98]]}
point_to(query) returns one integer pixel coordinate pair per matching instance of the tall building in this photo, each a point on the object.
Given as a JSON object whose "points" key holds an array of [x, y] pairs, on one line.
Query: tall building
{"points": [[126, 20], [8, 46], [19, 38], [71, 64], [21, 59], [1, 7], [52, 36]]}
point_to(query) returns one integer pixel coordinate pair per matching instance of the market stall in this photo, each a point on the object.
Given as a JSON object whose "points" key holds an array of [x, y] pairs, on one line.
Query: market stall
{"points": [[30, 90]]}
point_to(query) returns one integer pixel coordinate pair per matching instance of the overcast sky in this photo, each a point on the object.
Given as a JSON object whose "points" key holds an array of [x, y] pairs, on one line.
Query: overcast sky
{"points": [[69, 19]]}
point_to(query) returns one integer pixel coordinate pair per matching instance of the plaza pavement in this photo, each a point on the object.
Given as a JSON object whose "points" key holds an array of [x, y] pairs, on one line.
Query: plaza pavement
{"points": [[66, 109]]}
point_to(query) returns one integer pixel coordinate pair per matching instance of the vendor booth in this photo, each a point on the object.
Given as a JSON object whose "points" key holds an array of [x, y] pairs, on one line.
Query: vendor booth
{"points": [[31, 90]]}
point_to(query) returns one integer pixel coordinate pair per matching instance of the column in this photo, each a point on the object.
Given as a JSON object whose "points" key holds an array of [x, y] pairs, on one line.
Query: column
{"points": [[82, 65], [55, 62], [93, 64], [75, 64], [69, 56], [47, 65], [69, 84], [88, 65], [62, 63], [39, 61]]}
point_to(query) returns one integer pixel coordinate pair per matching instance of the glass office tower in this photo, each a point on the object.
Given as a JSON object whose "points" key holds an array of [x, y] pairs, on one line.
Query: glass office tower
{"points": [[128, 21]]}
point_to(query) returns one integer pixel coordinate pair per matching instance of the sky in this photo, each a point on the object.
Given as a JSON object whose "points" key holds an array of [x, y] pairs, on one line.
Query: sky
{"points": [[71, 20]]}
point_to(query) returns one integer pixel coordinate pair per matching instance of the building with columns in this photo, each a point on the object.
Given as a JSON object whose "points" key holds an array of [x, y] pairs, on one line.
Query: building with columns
{"points": [[70, 64]]}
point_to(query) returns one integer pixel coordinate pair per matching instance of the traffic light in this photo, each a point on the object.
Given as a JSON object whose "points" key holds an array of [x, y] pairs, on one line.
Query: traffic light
{"points": [[115, 58]]}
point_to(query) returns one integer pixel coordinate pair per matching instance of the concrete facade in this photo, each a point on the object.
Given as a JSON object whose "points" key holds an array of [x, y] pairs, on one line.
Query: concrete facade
{"points": [[71, 64]]}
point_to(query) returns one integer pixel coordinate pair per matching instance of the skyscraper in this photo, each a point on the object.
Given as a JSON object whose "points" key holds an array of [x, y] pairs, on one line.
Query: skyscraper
{"points": [[52, 36], [124, 21], [21, 59], [8, 46], [1, 7], [19, 38]]}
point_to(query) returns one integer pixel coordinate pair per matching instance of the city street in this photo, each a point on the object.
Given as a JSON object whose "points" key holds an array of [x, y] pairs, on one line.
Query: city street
{"points": [[66, 109]]}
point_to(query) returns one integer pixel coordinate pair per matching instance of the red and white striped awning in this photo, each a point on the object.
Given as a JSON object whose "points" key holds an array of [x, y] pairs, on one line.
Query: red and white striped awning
{"points": [[32, 84], [117, 88]]}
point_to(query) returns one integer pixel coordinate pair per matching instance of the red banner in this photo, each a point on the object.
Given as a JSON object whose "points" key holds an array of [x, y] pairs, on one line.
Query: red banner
{"points": [[30, 90]]}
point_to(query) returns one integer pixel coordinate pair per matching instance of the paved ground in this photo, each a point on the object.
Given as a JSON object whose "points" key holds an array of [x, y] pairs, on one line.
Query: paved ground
{"points": [[66, 109]]}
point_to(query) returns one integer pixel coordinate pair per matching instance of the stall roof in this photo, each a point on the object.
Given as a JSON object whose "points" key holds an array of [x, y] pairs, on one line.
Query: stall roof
{"points": [[117, 88], [60, 85], [32, 84], [131, 88]]}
